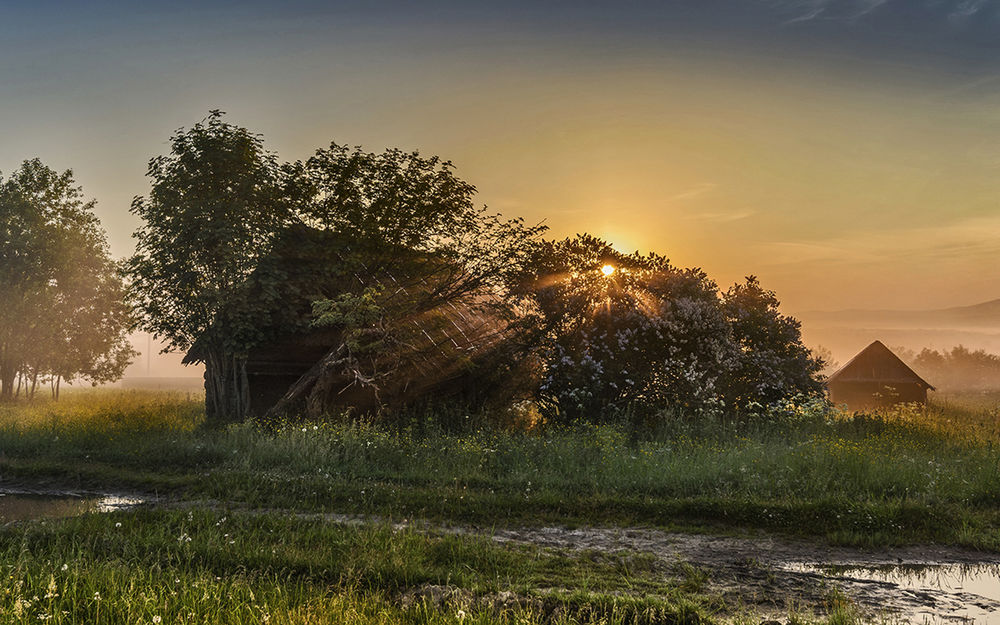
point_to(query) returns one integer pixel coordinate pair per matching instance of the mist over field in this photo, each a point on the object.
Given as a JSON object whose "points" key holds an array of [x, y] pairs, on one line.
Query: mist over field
{"points": [[846, 332]]}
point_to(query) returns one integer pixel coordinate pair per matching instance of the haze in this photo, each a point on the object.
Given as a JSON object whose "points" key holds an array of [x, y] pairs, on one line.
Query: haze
{"points": [[846, 152]]}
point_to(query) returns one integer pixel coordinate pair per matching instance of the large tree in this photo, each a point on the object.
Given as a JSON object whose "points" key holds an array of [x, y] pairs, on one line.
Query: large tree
{"points": [[63, 315], [213, 210], [409, 257], [219, 269]]}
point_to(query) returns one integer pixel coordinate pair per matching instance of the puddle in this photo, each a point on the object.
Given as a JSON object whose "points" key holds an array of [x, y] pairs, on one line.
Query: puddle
{"points": [[935, 584], [771, 576], [922, 593], [27, 506]]}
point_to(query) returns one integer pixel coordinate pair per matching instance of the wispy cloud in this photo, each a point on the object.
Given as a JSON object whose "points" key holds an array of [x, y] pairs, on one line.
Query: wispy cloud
{"points": [[723, 216], [965, 9], [954, 11], [867, 6], [694, 192], [967, 240], [811, 15]]}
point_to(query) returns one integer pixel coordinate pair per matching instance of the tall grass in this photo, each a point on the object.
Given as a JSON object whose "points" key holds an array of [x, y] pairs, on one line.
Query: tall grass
{"points": [[211, 567], [905, 474]]}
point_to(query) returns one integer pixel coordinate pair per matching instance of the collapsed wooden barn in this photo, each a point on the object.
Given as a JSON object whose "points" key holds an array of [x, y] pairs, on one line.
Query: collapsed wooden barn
{"points": [[441, 346], [875, 378], [307, 373]]}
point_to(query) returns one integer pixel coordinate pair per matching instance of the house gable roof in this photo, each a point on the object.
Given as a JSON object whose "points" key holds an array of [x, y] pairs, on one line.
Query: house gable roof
{"points": [[877, 363]]}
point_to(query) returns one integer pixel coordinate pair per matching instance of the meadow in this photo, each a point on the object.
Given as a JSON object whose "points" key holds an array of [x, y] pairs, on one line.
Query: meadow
{"points": [[234, 529]]}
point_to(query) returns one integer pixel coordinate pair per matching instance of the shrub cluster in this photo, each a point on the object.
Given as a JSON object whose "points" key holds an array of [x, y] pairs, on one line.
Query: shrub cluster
{"points": [[613, 331]]}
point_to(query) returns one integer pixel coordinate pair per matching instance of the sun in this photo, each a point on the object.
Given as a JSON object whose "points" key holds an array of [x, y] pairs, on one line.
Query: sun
{"points": [[608, 269]]}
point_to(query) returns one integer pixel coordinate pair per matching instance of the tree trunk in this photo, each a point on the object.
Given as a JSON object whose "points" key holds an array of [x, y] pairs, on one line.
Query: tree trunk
{"points": [[34, 385], [8, 372], [227, 392]]}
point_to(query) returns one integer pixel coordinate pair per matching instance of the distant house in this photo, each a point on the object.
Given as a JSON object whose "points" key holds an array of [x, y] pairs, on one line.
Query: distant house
{"points": [[876, 377]]}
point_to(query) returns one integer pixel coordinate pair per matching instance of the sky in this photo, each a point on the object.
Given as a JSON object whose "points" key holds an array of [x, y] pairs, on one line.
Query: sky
{"points": [[844, 151]]}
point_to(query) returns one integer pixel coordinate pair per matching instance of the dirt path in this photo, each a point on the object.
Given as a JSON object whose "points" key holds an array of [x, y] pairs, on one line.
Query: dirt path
{"points": [[767, 575], [773, 576]]}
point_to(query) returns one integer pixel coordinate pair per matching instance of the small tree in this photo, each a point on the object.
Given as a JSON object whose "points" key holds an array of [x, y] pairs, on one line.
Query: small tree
{"points": [[771, 362], [212, 213]]}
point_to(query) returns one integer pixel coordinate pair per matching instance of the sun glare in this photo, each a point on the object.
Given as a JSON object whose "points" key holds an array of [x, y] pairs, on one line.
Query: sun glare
{"points": [[608, 269]]}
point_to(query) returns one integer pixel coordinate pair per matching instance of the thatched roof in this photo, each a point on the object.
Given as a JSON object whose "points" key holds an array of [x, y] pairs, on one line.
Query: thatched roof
{"points": [[877, 363]]}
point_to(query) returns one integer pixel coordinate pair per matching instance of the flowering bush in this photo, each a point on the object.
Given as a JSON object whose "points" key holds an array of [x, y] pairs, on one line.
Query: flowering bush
{"points": [[620, 330]]}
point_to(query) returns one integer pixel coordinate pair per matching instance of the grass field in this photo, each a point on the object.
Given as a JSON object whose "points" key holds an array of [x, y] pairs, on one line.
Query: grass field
{"points": [[214, 567], [906, 476]]}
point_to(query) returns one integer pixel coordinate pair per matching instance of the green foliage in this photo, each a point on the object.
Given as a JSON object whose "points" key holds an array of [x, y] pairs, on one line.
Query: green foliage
{"points": [[771, 363], [413, 236], [886, 478], [236, 249], [651, 336], [211, 214], [348, 310], [63, 315], [157, 566], [351, 314]]}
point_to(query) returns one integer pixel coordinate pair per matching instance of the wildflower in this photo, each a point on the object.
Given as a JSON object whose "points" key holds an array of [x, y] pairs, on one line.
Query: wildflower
{"points": [[118, 524], [157, 619], [64, 567]]}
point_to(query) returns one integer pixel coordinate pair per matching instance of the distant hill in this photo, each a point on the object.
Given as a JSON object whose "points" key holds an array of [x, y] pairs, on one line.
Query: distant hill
{"points": [[845, 332], [983, 316]]}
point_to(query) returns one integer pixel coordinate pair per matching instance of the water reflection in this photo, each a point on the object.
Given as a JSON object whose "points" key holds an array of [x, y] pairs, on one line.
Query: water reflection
{"points": [[929, 592], [29, 506]]}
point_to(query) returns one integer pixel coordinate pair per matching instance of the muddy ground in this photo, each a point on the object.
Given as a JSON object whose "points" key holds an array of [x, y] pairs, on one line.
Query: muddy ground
{"points": [[765, 576], [773, 577]]}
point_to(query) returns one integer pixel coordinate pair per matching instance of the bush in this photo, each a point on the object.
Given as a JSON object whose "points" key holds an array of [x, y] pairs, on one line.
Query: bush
{"points": [[624, 331]]}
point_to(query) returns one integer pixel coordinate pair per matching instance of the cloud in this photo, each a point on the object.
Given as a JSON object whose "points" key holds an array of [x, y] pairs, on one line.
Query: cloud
{"points": [[947, 11], [974, 240], [967, 8], [810, 15], [723, 216], [694, 192]]}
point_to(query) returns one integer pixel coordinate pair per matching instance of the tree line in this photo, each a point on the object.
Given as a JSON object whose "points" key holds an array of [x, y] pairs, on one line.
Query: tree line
{"points": [[237, 249], [400, 235], [957, 369], [63, 311]]}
